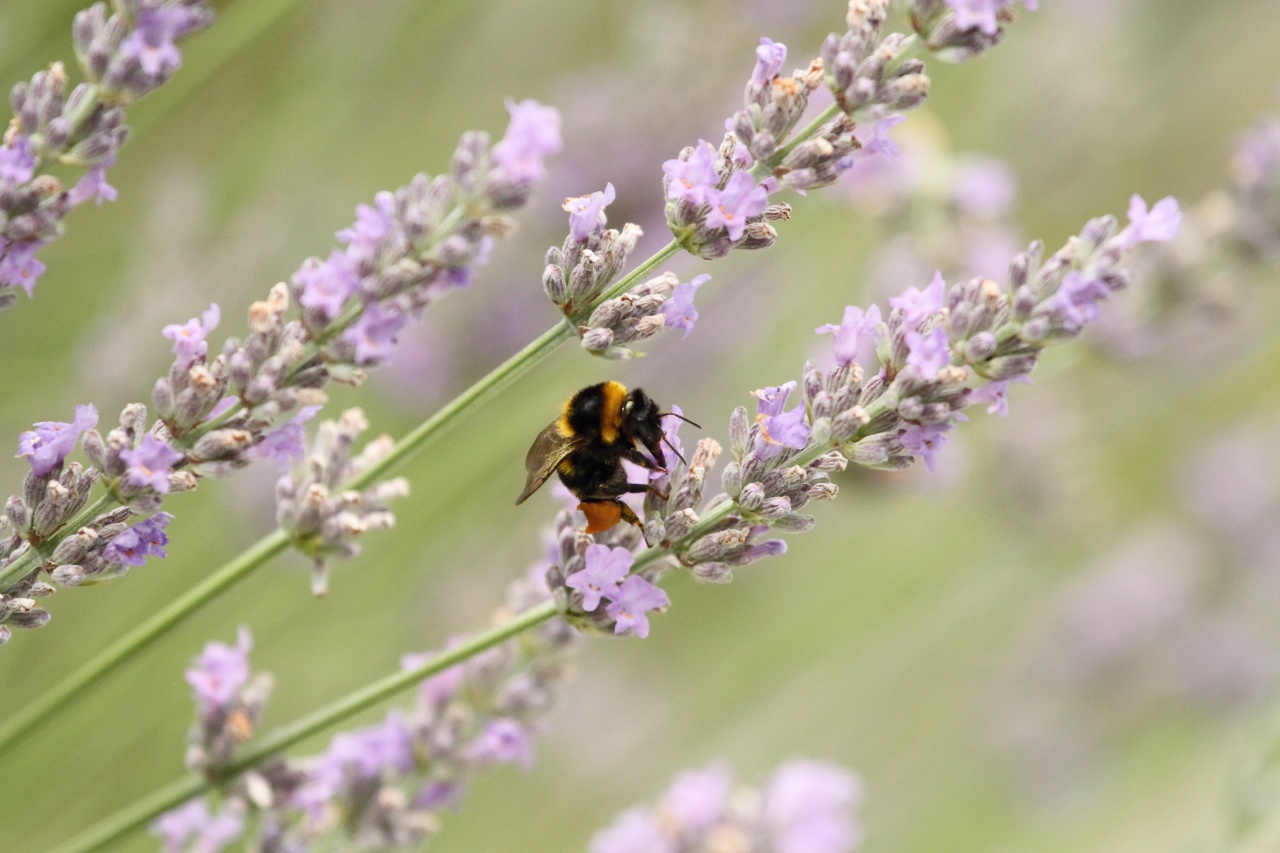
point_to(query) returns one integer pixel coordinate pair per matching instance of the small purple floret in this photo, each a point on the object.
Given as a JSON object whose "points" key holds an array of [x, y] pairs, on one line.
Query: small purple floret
{"points": [[374, 334], [150, 463], [635, 831], [605, 569], [152, 42], [928, 353], [678, 311], [732, 206], [326, 285], [286, 444], [1077, 300], [856, 329], [502, 741], [698, 799], [1158, 224], [189, 344], [916, 304], [93, 185], [586, 213], [49, 443], [769, 58], [982, 14], [191, 827], [17, 162], [220, 671], [808, 807], [996, 393], [134, 545], [779, 429], [925, 440], [19, 266], [693, 178], [636, 597]]}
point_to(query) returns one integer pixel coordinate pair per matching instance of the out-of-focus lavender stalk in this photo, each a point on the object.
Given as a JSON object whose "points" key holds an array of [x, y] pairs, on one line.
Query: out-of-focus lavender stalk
{"points": [[804, 807], [124, 54], [216, 414]]}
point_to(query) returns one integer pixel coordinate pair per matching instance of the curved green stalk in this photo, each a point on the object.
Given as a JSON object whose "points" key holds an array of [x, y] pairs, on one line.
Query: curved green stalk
{"points": [[174, 794]]}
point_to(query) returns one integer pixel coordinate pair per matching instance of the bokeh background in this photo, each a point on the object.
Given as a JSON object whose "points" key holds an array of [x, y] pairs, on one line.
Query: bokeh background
{"points": [[1065, 639]]}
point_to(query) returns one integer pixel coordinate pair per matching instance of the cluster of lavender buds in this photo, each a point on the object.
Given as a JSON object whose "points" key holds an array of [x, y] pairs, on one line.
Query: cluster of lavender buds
{"points": [[578, 273], [322, 519], [939, 351], [381, 786], [804, 807], [123, 55], [956, 30], [216, 414]]}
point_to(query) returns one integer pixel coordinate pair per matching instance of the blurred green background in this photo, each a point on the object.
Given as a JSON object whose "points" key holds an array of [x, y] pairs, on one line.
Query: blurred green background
{"points": [[900, 638]]}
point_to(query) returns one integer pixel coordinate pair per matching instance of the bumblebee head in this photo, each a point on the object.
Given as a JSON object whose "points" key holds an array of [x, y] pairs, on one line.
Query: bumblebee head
{"points": [[641, 421]]}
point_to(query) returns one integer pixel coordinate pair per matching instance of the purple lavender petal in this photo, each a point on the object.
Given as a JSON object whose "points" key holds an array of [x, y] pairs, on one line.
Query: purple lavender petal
{"points": [[19, 266], [916, 304], [533, 134], [191, 827], [326, 285], [928, 353], [605, 569], [855, 336], [221, 670], [695, 177], [678, 311], [150, 463], [732, 206], [145, 539], [374, 334], [769, 58], [636, 597], [49, 443], [189, 344], [587, 212]]}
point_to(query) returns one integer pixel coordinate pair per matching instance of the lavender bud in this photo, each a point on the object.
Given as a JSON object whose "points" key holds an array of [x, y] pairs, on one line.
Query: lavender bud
{"points": [[751, 497], [795, 523], [731, 478], [739, 428], [712, 573], [775, 507], [980, 347], [680, 523], [68, 575]]}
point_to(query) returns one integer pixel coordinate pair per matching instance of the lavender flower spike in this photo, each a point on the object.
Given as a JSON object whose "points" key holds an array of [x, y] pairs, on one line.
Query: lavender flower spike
{"points": [[49, 443]]}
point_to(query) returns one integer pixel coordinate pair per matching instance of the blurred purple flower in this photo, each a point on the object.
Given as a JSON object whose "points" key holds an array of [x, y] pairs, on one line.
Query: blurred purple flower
{"points": [[605, 569], [779, 429], [635, 597], [678, 310], [698, 799], [17, 161], [93, 185], [996, 393], [1158, 224], [374, 334], [857, 327], [190, 828], [145, 539], [808, 807], [1077, 300], [502, 741], [533, 134], [152, 42], [221, 670], [286, 444], [49, 443], [586, 213], [981, 14], [367, 752], [635, 831], [150, 463], [916, 304], [19, 266], [983, 187], [326, 284]]}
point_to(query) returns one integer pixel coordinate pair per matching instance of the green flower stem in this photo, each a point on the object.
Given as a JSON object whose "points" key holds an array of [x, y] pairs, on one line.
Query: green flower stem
{"points": [[157, 626], [144, 810]]}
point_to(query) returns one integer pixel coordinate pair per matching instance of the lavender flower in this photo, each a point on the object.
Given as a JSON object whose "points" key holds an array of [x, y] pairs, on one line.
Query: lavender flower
{"points": [[133, 545], [124, 55], [586, 214], [604, 570], [323, 522], [678, 311], [49, 443], [856, 329], [385, 784], [634, 598], [805, 807], [218, 411]]}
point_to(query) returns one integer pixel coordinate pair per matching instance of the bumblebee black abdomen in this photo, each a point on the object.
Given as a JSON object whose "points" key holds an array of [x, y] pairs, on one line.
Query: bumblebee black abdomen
{"points": [[593, 471]]}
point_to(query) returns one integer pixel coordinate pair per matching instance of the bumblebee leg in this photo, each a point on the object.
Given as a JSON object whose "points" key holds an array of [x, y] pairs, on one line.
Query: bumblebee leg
{"points": [[631, 454]]}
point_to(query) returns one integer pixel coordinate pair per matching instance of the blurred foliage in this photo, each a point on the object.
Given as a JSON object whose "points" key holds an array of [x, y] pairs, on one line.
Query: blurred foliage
{"points": [[874, 642]]}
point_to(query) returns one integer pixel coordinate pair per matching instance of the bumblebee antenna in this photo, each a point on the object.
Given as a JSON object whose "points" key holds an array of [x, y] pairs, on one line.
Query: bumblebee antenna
{"points": [[681, 417], [676, 452]]}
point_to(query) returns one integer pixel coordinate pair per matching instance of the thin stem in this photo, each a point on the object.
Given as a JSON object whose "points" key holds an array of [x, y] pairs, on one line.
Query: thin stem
{"points": [[174, 794], [27, 561], [56, 698]]}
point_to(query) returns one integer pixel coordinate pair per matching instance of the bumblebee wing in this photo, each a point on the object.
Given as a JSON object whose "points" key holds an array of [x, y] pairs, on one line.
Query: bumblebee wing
{"points": [[549, 450]]}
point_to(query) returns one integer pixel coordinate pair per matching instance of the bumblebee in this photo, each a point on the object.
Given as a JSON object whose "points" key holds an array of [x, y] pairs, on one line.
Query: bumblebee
{"points": [[598, 428]]}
